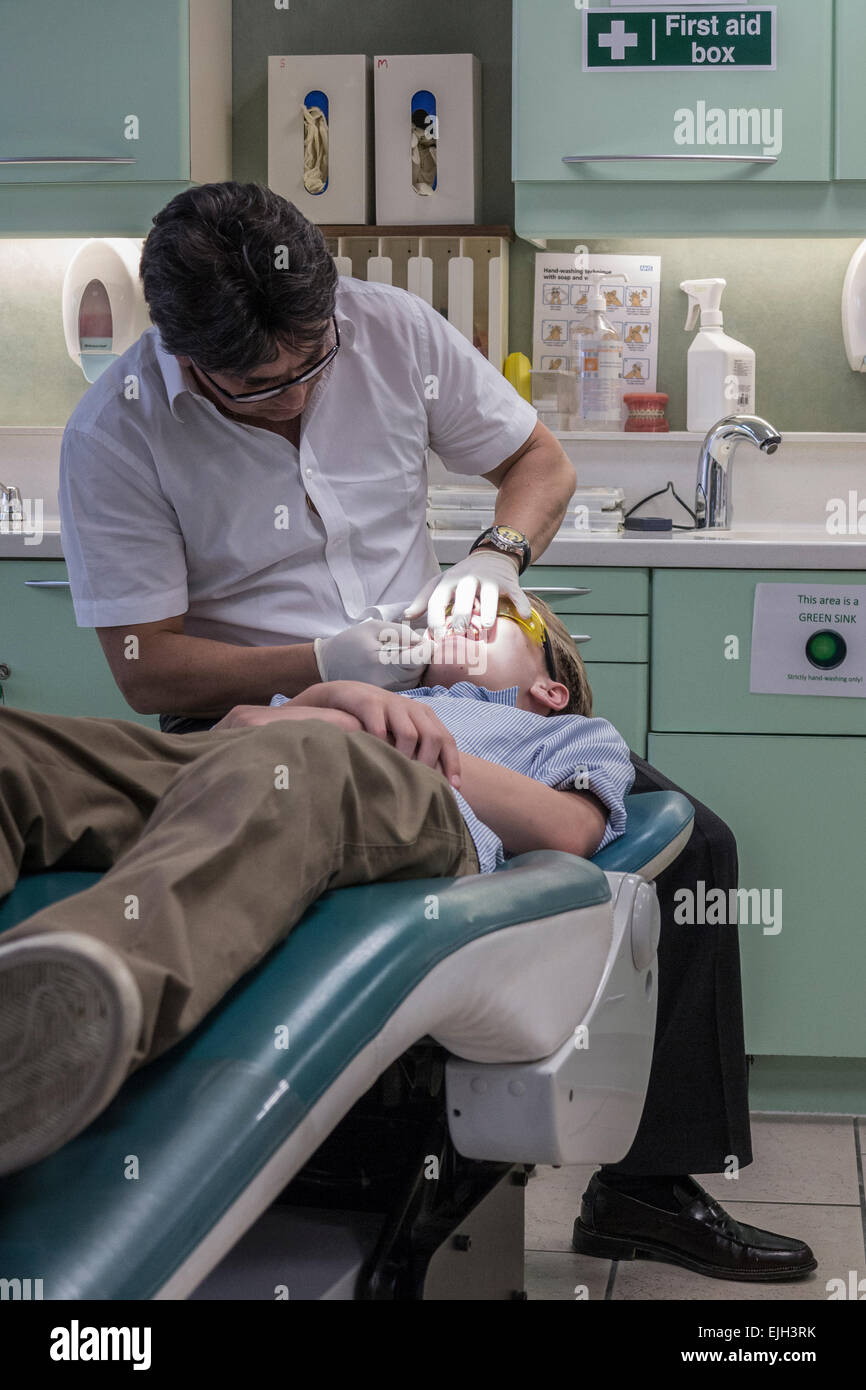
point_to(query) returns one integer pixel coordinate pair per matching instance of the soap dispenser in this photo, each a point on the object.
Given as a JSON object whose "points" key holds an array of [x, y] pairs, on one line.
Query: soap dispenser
{"points": [[721, 371], [104, 310], [596, 350]]}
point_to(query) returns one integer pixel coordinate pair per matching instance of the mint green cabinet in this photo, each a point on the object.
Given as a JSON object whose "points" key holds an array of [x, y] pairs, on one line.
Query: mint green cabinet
{"points": [[77, 79], [560, 110], [850, 90], [53, 666], [696, 683], [619, 694], [795, 806]]}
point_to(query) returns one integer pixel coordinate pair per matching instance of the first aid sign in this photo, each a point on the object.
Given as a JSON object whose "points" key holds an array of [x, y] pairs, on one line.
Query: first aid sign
{"points": [[672, 39]]}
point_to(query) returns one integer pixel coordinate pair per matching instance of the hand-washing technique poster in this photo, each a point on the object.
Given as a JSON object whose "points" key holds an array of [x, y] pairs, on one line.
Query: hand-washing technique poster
{"points": [[630, 286]]}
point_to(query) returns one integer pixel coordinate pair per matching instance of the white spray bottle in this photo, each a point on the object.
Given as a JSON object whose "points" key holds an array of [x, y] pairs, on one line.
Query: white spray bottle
{"points": [[721, 371]]}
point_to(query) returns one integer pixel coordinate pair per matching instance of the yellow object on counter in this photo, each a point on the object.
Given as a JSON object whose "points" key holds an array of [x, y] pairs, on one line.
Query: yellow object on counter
{"points": [[516, 370]]}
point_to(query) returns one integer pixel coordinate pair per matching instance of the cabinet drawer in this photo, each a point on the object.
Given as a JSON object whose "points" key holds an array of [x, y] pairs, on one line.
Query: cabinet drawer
{"points": [[610, 590], [54, 666], [619, 694], [795, 807], [696, 688], [620, 638]]}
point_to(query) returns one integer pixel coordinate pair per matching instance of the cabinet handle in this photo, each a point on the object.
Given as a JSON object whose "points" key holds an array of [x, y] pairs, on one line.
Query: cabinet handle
{"points": [[705, 158], [65, 159], [565, 592], [46, 583]]}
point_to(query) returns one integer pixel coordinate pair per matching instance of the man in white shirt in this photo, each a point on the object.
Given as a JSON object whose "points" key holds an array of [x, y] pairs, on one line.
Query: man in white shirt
{"points": [[212, 540]]}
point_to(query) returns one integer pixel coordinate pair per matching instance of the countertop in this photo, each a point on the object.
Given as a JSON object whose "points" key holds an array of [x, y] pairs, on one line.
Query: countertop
{"points": [[749, 547]]}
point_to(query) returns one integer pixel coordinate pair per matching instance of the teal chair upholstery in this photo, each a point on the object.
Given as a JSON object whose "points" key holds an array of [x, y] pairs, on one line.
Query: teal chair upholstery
{"points": [[203, 1119]]}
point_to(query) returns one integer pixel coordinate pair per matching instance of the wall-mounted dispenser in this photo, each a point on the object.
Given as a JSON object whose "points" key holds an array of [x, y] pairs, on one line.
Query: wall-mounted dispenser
{"points": [[854, 310], [317, 134], [104, 311]]}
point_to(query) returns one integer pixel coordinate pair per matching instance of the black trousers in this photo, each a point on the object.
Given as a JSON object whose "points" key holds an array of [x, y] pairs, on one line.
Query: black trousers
{"points": [[696, 1114], [697, 1107]]}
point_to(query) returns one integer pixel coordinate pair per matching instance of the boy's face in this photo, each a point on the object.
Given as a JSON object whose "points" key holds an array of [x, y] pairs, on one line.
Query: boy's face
{"points": [[504, 656]]}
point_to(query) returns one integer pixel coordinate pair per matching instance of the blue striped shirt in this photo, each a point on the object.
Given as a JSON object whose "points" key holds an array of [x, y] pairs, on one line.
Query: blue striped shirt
{"points": [[565, 751]]}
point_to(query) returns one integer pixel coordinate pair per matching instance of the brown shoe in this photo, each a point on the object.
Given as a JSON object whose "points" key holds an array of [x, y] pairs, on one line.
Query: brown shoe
{"points": [[700, 1236]]}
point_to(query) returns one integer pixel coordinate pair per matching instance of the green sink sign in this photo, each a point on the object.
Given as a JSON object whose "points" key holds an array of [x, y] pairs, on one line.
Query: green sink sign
{"points": [[664, 40]]}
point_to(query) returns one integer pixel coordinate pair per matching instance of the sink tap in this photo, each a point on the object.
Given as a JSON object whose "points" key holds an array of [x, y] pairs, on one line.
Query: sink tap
{"points": [[11, 506], [713, 502]]}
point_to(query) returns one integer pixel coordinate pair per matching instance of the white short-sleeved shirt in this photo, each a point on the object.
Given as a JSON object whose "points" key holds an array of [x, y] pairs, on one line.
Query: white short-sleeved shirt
{"points": [[167, 507]]}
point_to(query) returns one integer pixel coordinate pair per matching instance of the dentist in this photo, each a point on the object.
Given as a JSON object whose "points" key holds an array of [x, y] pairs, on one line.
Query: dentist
{"points": [[248, 482], [243, 506]]}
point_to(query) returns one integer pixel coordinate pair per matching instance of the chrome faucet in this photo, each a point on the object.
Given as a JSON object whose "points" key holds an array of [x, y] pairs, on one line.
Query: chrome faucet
{"points": [[11, 506], [713, 502]]}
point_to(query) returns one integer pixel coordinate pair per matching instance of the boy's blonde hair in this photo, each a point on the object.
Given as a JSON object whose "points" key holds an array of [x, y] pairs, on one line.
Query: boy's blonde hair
{"points": [[566, 658]]}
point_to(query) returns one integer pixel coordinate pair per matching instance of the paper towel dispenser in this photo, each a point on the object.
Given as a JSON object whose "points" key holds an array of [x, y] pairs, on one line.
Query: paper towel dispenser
{"points": [[854, 310], [104, 311]]}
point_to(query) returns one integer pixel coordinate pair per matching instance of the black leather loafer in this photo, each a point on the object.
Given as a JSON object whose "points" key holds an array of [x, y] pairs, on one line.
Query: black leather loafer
{"points": [[700, 1236]]}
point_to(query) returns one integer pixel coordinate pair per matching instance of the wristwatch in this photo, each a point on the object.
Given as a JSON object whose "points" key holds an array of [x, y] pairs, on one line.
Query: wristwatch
{"points": [[509, 541]]}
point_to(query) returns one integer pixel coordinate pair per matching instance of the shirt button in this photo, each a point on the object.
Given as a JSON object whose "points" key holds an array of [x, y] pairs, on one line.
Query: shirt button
{"points": [[309, 472]]}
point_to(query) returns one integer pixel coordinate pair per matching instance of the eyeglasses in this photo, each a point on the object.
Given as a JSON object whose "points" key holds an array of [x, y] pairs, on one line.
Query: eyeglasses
{"points": [[535, 628], [249, 397]]}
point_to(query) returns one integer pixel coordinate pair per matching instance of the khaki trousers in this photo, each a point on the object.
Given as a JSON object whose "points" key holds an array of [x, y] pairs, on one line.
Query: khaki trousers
{"points": [[213, 844]]}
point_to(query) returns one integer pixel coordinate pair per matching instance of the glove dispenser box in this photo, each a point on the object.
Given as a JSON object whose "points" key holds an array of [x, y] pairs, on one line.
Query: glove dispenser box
{"points": [[428, 138], [318, 108]]}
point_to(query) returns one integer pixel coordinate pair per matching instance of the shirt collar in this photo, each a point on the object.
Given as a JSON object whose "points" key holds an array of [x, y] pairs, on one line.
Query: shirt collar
{"points": [[467, 690], [178, 379]]}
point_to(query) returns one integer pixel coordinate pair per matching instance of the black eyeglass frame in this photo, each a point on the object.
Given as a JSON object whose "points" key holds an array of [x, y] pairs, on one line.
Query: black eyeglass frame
{"points": [[250, 397]]}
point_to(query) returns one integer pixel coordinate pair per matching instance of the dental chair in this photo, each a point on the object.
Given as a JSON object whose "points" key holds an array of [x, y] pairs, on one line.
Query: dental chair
{"points": [[358, 1117]]}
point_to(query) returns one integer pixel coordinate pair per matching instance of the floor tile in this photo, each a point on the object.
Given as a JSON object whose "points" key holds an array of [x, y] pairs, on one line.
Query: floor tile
{"points": [[835, 1234], [797, 1158], [558, 1277], [552, 1202]]}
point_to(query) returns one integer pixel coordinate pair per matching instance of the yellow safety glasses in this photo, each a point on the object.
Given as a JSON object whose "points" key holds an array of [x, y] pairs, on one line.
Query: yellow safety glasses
{"points": [[535, 628]]}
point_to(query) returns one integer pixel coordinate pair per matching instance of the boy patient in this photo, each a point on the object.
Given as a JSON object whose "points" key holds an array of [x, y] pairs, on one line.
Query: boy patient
{"points": [[212, 845]]}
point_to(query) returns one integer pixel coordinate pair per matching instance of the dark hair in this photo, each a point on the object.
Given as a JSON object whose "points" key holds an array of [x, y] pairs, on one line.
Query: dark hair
{"points": [[232, 272]]}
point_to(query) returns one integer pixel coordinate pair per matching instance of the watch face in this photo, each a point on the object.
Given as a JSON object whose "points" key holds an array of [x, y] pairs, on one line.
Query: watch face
{"points": [[508, 534]]}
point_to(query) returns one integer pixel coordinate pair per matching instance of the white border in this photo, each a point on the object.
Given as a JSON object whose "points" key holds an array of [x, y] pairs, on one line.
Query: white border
{"points": [[682, 67]]}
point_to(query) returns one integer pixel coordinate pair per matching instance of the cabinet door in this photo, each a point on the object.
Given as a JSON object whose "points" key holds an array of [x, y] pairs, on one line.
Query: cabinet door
{"points": [[850, 89], [619, 694], [698, 686], [560, 110], [795, 806], [54, 666], [75, 78]]}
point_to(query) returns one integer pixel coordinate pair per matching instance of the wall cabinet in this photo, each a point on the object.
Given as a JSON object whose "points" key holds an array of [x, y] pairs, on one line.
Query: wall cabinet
{"points": [[850, 90], [85, 84], [54, 666], [655, 137], [561, 110]]}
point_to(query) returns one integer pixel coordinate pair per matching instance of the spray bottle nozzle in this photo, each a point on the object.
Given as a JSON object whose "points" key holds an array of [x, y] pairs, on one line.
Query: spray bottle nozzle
{"points": [[705, 296]]}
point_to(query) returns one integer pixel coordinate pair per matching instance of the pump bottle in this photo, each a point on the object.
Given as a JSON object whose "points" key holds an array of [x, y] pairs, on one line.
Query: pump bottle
{"points": [[596, 349], [721, 371]]}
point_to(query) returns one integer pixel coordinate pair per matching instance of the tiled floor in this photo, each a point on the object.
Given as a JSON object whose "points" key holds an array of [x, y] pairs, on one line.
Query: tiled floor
{"points": [[806, 1181]]}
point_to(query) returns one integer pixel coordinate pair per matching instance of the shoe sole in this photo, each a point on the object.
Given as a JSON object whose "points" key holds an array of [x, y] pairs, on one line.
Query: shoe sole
{"points": [[587, 1242], [70, 1018]]}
